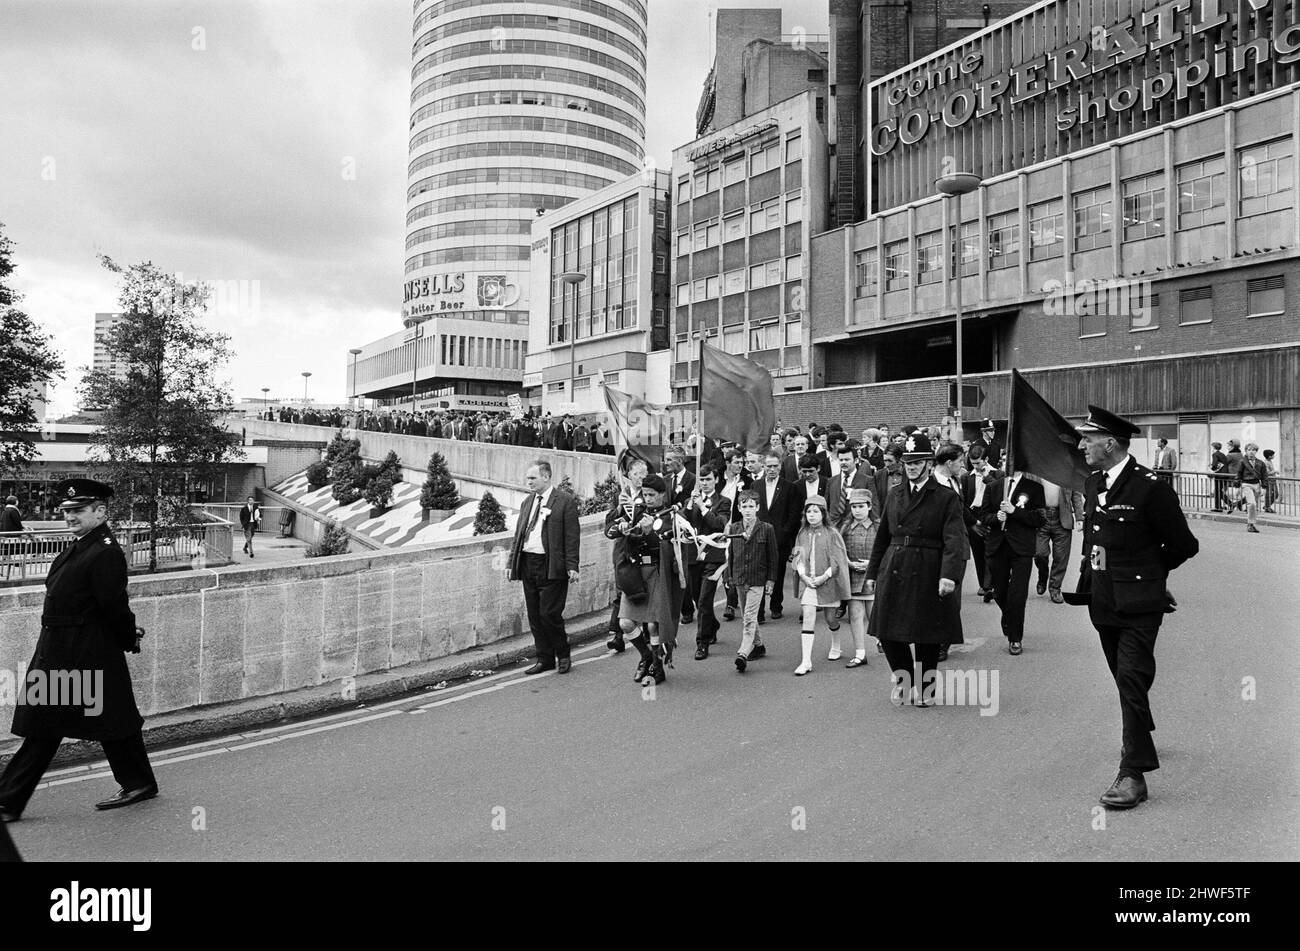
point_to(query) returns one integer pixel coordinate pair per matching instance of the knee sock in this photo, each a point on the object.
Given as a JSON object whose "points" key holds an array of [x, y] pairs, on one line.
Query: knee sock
{"points": [[639, 644], [835, 642], [807, 637]]}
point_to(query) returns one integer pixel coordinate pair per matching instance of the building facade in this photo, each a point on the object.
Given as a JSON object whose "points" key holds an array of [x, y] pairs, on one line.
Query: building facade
{"points": [[516, 109], [609, 325], [1135, 236], [748, 199], [105, 359]]}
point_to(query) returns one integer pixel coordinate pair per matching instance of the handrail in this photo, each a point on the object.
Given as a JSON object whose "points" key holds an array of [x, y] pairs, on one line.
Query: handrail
{"points": [[29, 554]]}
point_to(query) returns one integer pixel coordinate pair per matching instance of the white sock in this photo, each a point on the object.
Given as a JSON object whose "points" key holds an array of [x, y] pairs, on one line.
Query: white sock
{"points": [[860, 654], [836, 653], [807, 648]]}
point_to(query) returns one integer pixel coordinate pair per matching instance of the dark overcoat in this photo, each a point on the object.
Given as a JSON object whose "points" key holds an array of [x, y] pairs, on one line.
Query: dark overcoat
{"points": [[86, 626], [919, 540]]}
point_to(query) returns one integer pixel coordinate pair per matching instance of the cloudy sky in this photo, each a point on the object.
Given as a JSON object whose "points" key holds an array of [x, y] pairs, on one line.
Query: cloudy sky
{"points": [[261, 141]]}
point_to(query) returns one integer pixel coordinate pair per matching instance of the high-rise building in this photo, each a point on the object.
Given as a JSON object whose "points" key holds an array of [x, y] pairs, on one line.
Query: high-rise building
{"points": [[104, 358], [516, 109]]}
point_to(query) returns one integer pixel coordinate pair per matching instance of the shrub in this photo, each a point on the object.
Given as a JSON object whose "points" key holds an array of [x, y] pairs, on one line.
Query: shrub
{"points": [[566, 485], [334, 541], [604, 497], [346, 470], [439, 490], [490, 519], [338, 446], [379, 490], [318, 473]]}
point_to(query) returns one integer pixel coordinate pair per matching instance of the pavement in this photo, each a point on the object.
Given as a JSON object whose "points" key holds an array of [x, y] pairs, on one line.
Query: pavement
{"points": [[269, 549], [765, 766]]}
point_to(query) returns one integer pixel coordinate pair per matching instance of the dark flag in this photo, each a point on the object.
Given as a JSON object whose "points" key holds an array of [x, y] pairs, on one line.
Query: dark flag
{"points": [[735, 399], [637, 427], [1042, 442]]}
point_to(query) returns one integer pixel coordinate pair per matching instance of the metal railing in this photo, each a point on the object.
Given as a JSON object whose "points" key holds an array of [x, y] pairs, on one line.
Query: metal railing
{"points": [[27, 556], [1206, 491]]}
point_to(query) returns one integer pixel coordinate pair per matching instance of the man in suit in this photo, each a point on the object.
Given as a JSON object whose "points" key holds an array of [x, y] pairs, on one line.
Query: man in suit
{"points": [[890, 474], [709, 513], [680, 487], [1134, 535], [1166, 462], [790, 461], [810, 483], [974, 493], [250, 517], [1062, 510], [851, 476], [545, 558], [1016, 504], [778, 507], [87, 628]]}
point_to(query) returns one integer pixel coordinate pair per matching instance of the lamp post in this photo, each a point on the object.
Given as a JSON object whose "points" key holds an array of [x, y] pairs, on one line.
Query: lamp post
{"points": [[265, 405], [305, 375], [573, 278], [356, 352], [958, 184]]}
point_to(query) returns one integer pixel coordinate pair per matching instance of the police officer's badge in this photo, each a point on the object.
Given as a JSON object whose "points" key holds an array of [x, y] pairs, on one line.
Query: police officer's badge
{"points": [[910, 445], [71, 492]]}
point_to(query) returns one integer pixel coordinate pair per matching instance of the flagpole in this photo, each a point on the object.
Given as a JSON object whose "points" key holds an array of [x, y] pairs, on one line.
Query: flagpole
{"points": [[699, 416]]}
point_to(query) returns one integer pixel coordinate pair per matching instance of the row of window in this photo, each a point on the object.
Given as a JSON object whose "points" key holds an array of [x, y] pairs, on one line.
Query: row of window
{"points": [[547, 150], [604, 245], [528, 71], [530, 200], [493, 176], [1265, 297], [477, 226], [768, 336], [526, 124], [611, 318], [487, 252], [763, 216], [499, 22], [587, 6], [532, 49], [453, 350], [519, 97], [764, 157], [1265, 184], [734, 282]]}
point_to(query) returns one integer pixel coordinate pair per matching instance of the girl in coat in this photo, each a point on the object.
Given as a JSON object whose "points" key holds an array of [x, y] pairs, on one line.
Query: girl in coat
{"points": [[822, 565], [859, 535]]}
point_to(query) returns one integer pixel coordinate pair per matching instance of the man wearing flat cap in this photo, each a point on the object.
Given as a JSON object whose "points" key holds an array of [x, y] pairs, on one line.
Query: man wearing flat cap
{"points": [[1134, 535], [87, 626]]}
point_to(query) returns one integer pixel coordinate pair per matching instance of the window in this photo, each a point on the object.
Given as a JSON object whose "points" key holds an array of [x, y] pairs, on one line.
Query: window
{"points": [[706, 236], [582, 383], [683, 350], [794, 209], [612, 379], [970, 250], [1264, 173], [929, 259], [816, 75], [683, 242], [733, 172], [1200, 193], [712, 286], [1092, 315], [683, 294], [768, 156], [1266, 296], [767, 337], [1004, 240], [1196, 305], [733, 227], [697, 290], [556, 387], [661, 264], [684, 188], [794, 268], [897, 268], [765, 275], [1144, 207], [865, 273], [733, 282], [1046, 230], [1092, 219], [793, 148], [733, 339], [707, 180], [765, 217], [1144, 311], [794, 333]]}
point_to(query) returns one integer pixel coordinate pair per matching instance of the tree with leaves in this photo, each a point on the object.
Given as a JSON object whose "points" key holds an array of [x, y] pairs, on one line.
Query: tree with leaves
{"points": [[161, 428], [489, 519], [603, 498], [27, 360], [439, 490], [333, 541], [347, 471]]}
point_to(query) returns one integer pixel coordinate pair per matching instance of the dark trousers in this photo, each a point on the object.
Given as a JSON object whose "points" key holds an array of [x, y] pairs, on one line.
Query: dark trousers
{"points": [[1011, 588], [1220, 491], [783, 550], [733, 599], [899, 655], [614, 626], [544, 598], [978, 556], [691, 590], [1131, 656], [1053, 540], [707, 630], [126, 758], [7, 851]]}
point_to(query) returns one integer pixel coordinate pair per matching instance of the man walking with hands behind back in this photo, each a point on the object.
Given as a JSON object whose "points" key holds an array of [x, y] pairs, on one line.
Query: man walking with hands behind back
{"points": [[1134, 534], [544, 557], [250, 517]]}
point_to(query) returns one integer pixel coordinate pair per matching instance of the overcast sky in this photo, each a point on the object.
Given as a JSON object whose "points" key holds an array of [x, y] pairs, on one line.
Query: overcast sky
{"points": [[212, 138]]}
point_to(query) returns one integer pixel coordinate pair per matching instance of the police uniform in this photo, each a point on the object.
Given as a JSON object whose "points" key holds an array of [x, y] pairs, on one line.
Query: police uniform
{"points": [[86, 627], [1134, 534]]}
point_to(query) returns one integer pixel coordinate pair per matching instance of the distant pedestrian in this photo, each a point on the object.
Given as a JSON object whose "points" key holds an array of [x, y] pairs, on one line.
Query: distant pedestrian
{"points": [[1270, 487], [822, 566], [753, 569], [1166, 462], [1252, 477], [250, 517], [11, 522], [859, 536], [544, 557], [1218, 474]]}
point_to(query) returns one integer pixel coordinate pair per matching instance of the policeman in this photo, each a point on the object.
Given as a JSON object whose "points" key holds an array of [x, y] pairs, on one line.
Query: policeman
{"points": [[86, 626], [1134, 534]]}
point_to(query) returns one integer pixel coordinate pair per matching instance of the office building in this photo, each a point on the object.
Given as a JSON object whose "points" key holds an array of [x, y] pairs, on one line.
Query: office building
{"points": [[105, 359]]}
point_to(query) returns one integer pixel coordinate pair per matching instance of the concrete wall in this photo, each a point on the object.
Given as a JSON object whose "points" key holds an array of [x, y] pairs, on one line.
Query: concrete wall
{"points": [[483, 462], [259, 631]]}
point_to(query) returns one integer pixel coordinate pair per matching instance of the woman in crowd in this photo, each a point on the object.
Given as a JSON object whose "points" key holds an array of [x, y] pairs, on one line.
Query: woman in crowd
{"points": [[859, 534], [822, 566]]}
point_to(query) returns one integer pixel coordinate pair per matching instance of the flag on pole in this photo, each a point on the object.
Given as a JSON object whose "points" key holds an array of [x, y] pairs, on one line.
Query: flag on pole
{"points": [[637, 427], [735, 399], [1042, 442]]}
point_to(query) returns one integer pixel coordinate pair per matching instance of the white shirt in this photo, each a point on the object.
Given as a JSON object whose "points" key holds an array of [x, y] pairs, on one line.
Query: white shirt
{"points": [[979, 490], [533, 544], [770, 488], [1111, 476], [731, 487], [1052, 494], [945, 481]]}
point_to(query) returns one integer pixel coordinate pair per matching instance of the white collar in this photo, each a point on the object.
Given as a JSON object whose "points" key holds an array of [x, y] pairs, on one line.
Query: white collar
{"points": [[545, 496], [1113, 474]]}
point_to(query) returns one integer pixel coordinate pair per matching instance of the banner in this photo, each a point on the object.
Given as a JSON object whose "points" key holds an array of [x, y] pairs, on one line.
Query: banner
{"points": [[637, 427], [735, 399], [1042, 442]]}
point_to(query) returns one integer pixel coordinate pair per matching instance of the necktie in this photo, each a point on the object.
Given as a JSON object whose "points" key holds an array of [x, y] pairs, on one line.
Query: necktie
{"points": [[533, 516]]}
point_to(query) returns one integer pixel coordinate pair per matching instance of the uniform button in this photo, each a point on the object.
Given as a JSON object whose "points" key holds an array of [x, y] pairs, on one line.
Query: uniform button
{"points": [[1121, 518], [1139, 577], [1096, 528]]}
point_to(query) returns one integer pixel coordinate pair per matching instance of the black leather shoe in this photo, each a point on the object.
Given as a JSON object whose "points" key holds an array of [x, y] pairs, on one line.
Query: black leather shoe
{"points": [[760, 650], [616, 644], [988, 596], [8, 816], [943, 652], [538, 668], [776, 615], [741, 662], [728, 615], [1042, 588], [642, 668], [1015, 649], [563, 665], [687, 619], [1056, 596], [1125, 793], [125, 798], [840, 612], [702, 652]]}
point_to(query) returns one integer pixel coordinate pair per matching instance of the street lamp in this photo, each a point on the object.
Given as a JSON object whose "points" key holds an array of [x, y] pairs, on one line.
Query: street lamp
{"points": [[265, 406], [305, 375], [356, 352], [573, 278], [958, 184]]}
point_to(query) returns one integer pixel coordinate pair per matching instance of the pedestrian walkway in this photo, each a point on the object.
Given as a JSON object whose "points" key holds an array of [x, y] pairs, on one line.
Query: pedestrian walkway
{"points": [[270, 550]]}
